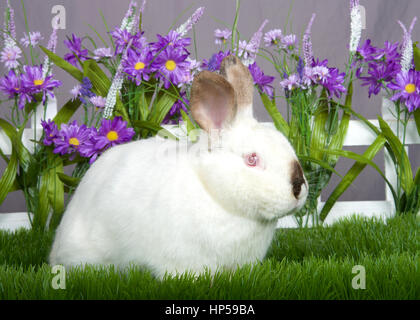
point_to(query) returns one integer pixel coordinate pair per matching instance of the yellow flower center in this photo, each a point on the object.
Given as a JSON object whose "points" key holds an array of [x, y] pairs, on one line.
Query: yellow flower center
{"points": [[112, 135], [170, 65], [74, 141], [224, 41], [139, 66], [38, 82], [410, 88]]}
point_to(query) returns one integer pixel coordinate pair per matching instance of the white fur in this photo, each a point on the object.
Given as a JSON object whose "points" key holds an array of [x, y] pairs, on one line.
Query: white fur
{"points": [[168, 211], [208, 210]]}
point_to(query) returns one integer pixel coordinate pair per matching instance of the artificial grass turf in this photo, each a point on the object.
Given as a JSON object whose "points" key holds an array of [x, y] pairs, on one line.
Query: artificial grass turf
{"points": [[301, 264]]}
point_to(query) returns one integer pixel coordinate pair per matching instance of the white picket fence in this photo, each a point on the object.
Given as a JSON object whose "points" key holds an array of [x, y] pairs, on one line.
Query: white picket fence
{"points": [[358, 135]]}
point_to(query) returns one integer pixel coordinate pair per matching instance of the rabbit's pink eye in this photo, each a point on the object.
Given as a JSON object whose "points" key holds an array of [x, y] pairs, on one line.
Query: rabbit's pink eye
{"points": [[251, 159]]}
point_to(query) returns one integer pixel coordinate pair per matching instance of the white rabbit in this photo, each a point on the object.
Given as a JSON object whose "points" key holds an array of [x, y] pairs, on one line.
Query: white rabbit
{"points": [[213, 210]]}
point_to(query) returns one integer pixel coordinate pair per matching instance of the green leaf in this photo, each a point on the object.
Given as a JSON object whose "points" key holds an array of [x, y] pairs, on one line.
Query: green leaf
{"points": [[416, 115], [362, 159], [56, 190], [153, 128], [143, 104], [337, 140], [111, 38], [99, 79], [319, 134], [275, 114], [352, 174], [63, 64], [15, 137], [400, 156], [416, 52], [163, 104], [321, 163], [417, 178], [8, 179], [43, 207], [235, 25], [98, 34], [363, 119], [68, 181], [120, 110], [191, 128], [67, 111]]}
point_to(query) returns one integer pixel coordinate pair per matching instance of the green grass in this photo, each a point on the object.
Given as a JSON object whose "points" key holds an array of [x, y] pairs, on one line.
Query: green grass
{"points": [[301, 264]]}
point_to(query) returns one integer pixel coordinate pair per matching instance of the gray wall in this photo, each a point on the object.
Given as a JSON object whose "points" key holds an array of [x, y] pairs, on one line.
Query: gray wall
{"points": [[330, 34]]}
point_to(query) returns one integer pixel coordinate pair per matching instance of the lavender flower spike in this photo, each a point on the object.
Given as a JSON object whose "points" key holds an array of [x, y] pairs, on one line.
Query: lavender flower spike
{"points": [[355, 25], [9, 26], [407, 46], [52, 45], [254, 45], [128, 21], [307, 43], [143, 6], [187, 26], [116, 86]]}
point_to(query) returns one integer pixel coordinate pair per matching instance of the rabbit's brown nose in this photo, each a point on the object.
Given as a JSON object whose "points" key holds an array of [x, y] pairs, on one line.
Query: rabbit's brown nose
{"points": [[297, 179]]}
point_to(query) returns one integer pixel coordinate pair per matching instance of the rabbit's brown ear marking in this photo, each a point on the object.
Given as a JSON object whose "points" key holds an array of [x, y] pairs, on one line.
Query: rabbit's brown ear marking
{"points": [[240, 78], [212, 101]]}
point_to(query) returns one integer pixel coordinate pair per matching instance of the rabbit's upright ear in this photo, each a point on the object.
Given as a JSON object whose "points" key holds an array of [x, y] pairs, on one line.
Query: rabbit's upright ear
{"points": [[241, 80], [213, 103]]}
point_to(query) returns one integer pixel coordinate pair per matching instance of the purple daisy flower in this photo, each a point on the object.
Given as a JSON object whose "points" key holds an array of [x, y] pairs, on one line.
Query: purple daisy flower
{"points": [[290, 83], [273, 38], [407, 87], [75, 46], [366, 52], [98, 101], [10, 84], [388, 53], [71, 138], [32, 39], [334, 82], [172, 40], [174, 115], [222, 36], [33, 81], [50, 130], [10, 56], [138, 65], [123, 37], [75, 92], [172, 66], [317, 62], [378, 74], [247, 50], [102, 53], [195, 67], [317, 74], [288, 42], [111, 133], [215, 61], [262, 81]]}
